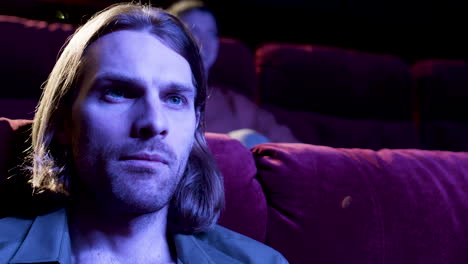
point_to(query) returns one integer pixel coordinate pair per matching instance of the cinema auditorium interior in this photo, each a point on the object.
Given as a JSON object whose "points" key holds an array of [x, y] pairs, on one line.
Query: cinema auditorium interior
{"points": [[375, 92]]}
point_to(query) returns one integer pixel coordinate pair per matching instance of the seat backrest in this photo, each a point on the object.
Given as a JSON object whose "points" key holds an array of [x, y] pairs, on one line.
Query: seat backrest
{"points": [[332, 131], [234, 69], [29, 49], [329, 205], [334, 81], [18, 108]]}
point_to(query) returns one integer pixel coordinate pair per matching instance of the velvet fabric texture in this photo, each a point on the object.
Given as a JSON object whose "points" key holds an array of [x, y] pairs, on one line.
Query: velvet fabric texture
{"points": [[29, 51], [18, 108], [234, 68], [246, 210], [334, 81], [362, 206]]}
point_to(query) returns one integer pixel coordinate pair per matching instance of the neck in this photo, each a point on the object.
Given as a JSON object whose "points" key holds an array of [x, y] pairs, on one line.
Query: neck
{"points": [[101, 236]]}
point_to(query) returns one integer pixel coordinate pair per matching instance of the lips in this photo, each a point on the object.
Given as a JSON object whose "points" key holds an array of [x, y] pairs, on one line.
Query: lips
{"points": [[149, 157]]}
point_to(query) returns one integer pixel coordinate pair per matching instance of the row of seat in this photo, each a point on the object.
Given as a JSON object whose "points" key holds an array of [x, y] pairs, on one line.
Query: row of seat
{"points": [[327, 95], [345, 83], [346, 98]]}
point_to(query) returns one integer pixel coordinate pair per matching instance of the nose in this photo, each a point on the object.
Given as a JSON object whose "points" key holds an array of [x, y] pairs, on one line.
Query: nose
{"points": [[150, 119]]}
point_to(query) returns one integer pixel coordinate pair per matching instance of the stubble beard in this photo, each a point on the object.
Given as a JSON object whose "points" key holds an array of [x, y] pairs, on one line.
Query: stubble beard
{"points": [[124, 192], [147, 195]]}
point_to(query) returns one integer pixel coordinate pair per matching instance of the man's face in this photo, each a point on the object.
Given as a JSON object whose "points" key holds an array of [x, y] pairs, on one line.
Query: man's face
{"points": [[203, 27], [133, 122]]}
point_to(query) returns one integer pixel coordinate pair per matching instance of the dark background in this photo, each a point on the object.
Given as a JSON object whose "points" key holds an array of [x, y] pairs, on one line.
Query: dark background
{"points": [[412, 29]]}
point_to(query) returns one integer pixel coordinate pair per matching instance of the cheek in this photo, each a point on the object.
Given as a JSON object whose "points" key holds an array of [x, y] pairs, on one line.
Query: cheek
{"points": [[183, 130], [93, 128], [94, 142]]}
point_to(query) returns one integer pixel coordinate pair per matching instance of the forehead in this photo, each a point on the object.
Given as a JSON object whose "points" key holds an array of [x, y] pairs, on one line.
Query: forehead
{"points": [[137, 54]]}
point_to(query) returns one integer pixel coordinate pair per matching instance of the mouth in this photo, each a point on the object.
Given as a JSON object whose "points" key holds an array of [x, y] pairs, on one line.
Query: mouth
{"points": [[144, 160], [146, 157]]}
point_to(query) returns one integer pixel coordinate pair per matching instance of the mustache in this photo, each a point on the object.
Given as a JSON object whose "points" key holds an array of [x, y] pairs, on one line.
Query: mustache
{"points": [[152, 146]]}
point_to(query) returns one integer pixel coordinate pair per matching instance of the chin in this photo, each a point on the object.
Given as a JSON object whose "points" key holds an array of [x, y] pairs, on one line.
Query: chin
{"points": [[143, 208], [139, 205], [143, 200]]}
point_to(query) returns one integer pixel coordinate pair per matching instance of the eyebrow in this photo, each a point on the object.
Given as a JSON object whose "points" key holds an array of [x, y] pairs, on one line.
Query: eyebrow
{"points": [[181, 88], [117, 77], [121, 78]]}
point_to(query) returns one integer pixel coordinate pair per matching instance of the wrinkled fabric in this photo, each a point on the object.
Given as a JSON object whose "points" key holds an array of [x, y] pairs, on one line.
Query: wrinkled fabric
{"points": [[362, 206]]}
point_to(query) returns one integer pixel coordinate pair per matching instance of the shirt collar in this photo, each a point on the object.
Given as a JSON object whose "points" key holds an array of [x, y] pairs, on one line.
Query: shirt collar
{"points": [[190, 251], [193, 249], [47, 240]]}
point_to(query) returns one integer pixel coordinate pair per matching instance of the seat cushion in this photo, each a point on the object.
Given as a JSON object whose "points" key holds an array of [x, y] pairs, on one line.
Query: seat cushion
{"points": [[364, 206], [246, 210]]}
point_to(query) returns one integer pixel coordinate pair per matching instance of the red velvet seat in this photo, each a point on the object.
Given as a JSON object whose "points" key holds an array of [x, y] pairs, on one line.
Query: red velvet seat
{"points": [[234, 69], [334, 81], [29, 50]]}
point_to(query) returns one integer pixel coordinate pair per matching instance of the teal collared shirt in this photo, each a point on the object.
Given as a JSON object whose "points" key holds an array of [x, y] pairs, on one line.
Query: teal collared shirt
{"points": [[46, 239]]}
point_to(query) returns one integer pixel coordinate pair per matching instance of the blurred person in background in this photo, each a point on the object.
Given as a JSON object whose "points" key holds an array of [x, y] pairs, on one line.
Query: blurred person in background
{"points": [[228, 111]]}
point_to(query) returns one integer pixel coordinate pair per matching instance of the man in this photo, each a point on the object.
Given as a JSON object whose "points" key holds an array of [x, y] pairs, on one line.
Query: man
{"points": [[119, 132], [228, 111]]}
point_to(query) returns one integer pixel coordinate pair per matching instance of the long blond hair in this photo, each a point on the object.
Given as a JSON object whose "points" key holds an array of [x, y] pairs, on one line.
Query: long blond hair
{"points": [[200, 195]]}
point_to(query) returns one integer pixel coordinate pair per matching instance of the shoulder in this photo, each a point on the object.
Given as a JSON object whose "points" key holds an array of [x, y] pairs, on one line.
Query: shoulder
{"points": [[13, 230], [239, 247]]}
